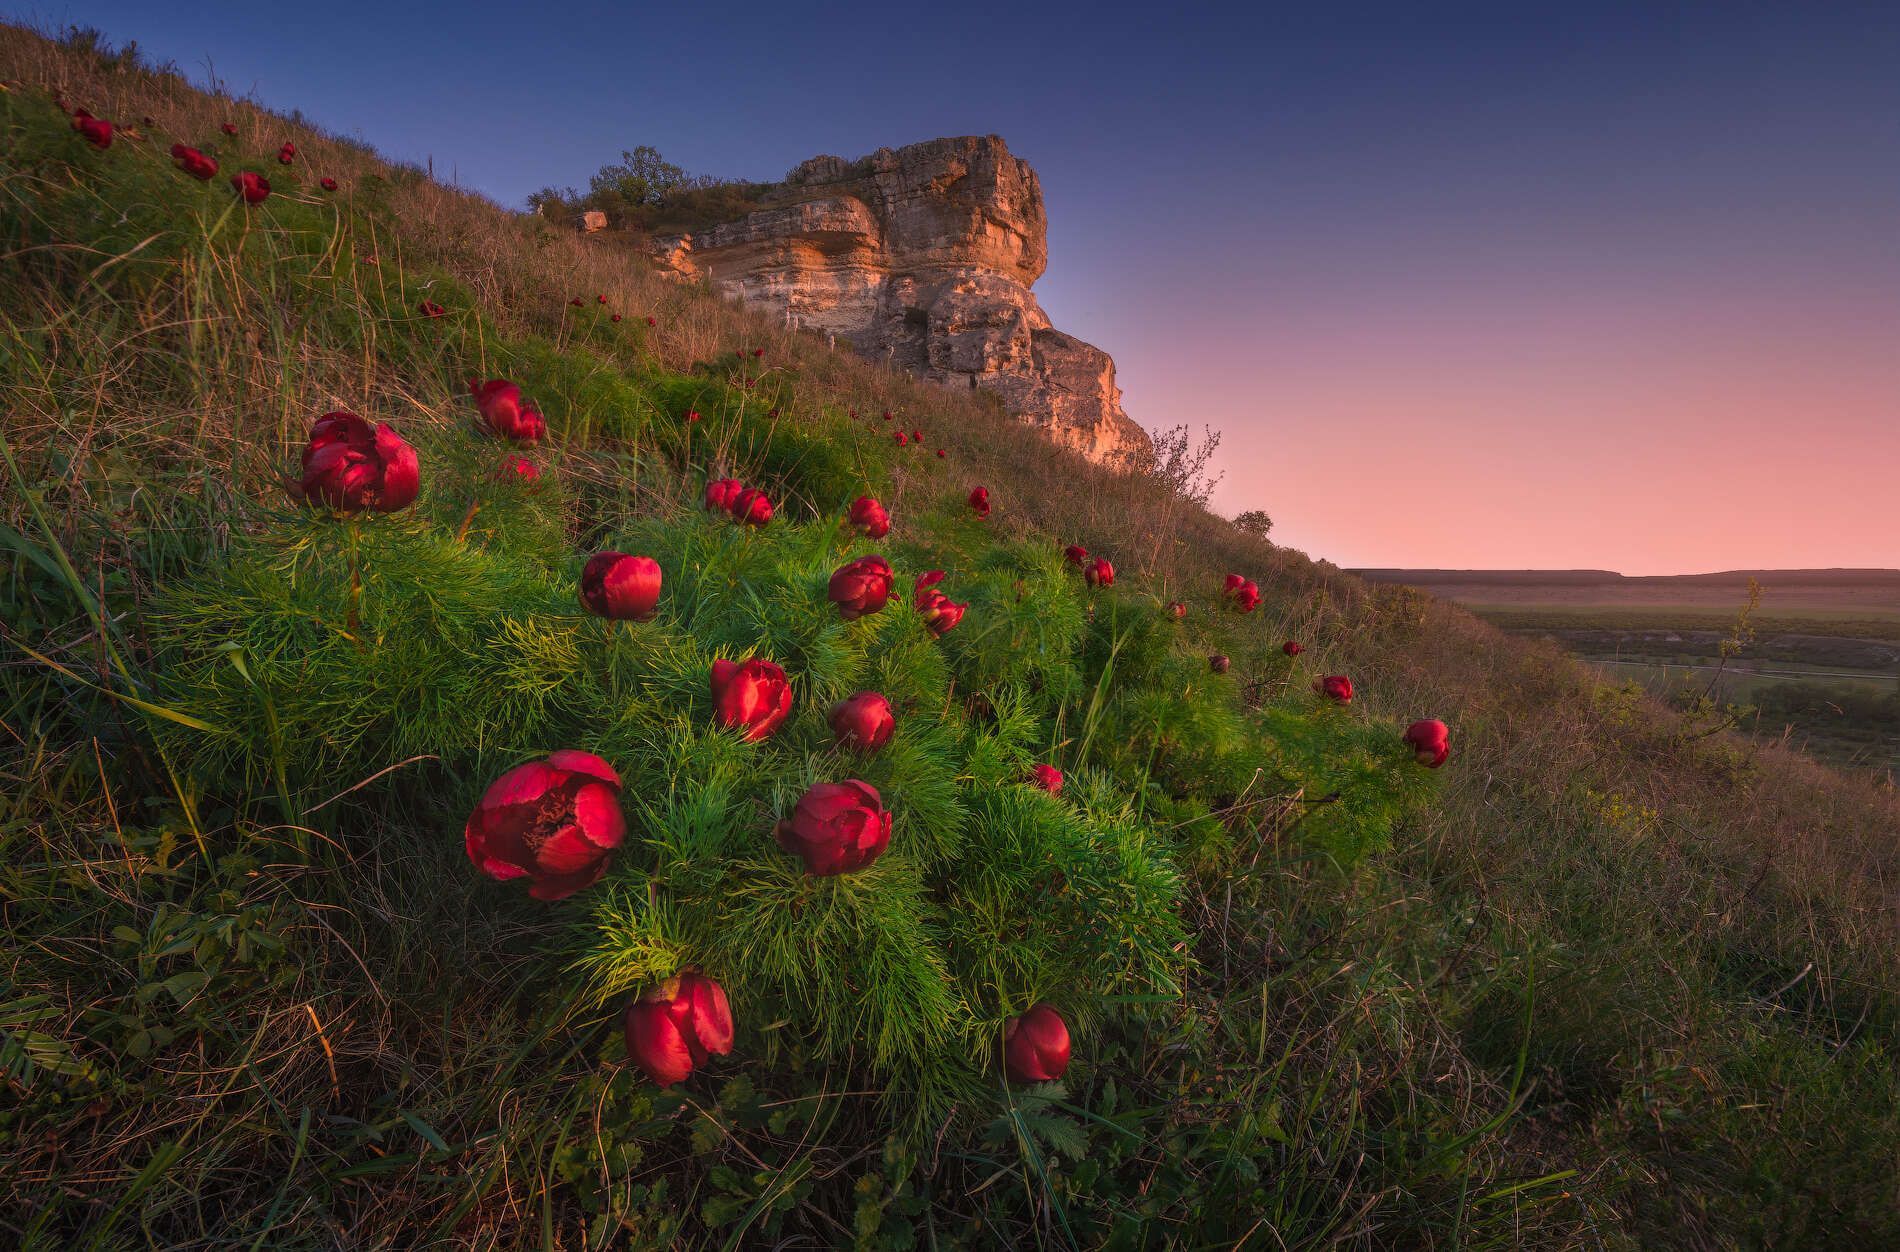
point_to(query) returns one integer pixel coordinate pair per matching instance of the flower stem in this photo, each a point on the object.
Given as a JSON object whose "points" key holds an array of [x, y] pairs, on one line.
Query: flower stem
{"points": [[462, 531]]}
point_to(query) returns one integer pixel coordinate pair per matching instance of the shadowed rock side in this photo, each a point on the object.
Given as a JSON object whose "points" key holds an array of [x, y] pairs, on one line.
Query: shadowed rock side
{"points": [[923, 256]]}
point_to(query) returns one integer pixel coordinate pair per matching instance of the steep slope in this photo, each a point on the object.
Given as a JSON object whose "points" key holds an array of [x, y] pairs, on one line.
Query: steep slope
{"points": [[1606, 978]]}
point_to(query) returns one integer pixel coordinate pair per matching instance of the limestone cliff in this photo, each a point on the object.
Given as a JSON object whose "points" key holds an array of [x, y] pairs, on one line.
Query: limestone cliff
{"points": [[922, 256]]}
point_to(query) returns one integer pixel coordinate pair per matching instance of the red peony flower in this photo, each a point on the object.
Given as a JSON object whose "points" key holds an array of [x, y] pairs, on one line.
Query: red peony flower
{"points": [[1430, 742], [1241, 593], [941, 452], [350, 464], [1036, 1046], [619, 587], [1049, 778], [863, 721], [721, 492], [601, 299], [887, 414], [758, 352], [692, 415], [97, 130], [753, 696], [614, 318], [1218, 663], [253, 187], [1335, 687], [429, 308], [287, 154], [554, 822], [194, 163], [651, 322], [516, 469], [752, 507], [837, 828], [901, 438], [869, 517], [860, 587], [328, 184], [506, 413], [1076, 554], [1291, 648], [980, 501], [228, 128], [1100, 574], [916, 436], [1177, 610], [674, 1027], [937, 610], [577, 302]]}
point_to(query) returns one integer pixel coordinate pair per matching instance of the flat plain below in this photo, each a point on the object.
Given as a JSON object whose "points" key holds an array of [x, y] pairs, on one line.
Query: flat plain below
{"points": [[1821, 668]]}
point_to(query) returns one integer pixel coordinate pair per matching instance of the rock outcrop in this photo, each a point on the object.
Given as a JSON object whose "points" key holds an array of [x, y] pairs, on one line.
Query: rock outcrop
{"points": [[922, 256]]}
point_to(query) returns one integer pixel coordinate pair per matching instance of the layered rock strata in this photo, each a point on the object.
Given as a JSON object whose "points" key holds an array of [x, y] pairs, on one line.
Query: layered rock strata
{"points": [[923, 257]]}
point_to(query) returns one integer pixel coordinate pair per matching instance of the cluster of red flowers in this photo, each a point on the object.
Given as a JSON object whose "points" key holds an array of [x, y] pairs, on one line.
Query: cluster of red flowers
{"points": [[747, 505], [1241, 593]]}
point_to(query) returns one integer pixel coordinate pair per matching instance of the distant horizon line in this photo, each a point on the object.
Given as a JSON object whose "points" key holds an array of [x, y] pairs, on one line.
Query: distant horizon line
{"points": [[1880, 573]]}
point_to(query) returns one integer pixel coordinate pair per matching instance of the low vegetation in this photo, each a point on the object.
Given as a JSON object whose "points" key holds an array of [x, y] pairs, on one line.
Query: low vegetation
{"points": [[1609, 977]]}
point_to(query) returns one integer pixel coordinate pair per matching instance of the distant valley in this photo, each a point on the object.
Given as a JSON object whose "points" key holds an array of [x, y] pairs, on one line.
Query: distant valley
{"points": [[1818, 662]]}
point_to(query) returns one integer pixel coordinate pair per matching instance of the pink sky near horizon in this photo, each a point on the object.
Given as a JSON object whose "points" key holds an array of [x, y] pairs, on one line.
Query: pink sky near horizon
{"points": [[1551, 416]]}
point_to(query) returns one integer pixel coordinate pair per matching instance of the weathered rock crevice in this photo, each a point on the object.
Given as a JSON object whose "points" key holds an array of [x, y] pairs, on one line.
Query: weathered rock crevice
{"points": [[922, 256]]}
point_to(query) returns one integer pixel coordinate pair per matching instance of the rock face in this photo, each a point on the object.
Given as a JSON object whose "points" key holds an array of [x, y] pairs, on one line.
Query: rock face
{"points": [[922, 256]]}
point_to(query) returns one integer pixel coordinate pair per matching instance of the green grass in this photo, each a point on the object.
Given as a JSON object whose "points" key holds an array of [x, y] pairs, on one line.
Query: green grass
{"points": [[1612, 978]]}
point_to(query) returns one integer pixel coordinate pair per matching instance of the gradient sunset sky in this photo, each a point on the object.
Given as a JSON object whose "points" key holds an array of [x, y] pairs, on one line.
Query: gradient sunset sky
{"points": [[1516, 285]]}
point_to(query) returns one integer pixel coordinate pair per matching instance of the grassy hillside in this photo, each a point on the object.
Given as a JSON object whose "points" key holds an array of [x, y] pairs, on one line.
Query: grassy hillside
{"points": [[1609, 978]]}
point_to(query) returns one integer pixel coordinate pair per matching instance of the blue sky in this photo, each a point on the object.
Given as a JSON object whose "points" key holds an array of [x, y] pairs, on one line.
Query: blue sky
{"points": [[1571, 280]]}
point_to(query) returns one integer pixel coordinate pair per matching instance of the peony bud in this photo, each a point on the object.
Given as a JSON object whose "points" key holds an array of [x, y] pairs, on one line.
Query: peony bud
{"points": [[1430, 742], [1076, 553], [350, 464], [1036, 1045], [1177, 610], [1335, 687], [869, 517], [1291, 648], [429, 308], [752, 507], [674, 1027], [506, 413], [720, 493], [253, 187], [753, 696], [97, 130], [1218, 663], [553, 822], [328, 184], [619, 587], [863, 721], [1049, 778], [860, 587], [194, 163], [1241, 593], [228, 128], [836, 828], [980, 501], [1099, 574], [287, 154]]}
